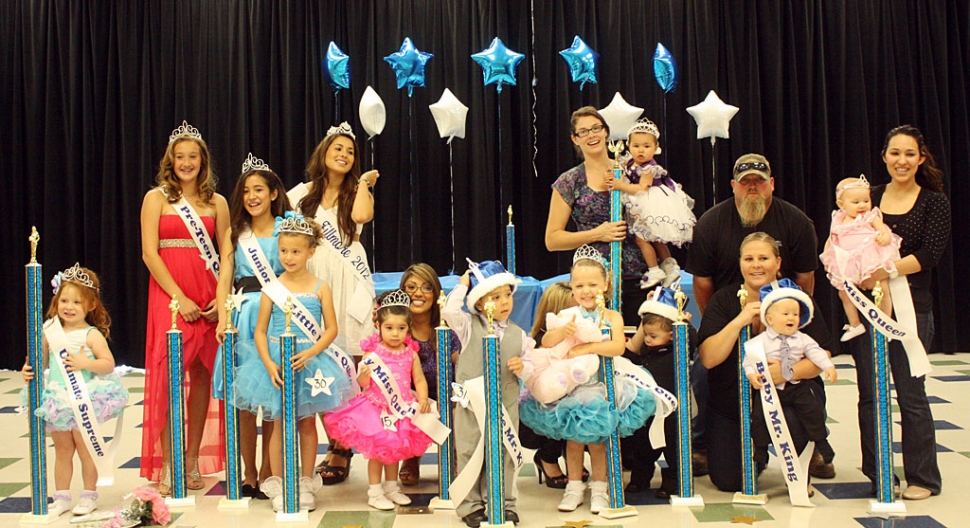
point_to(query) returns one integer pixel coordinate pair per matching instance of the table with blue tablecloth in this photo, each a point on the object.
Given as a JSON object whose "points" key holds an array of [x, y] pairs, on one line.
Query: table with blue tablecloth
{"points": [[528, 293]]}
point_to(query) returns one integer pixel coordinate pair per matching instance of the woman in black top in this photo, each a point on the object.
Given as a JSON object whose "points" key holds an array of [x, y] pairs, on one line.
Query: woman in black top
{"points": [[915, 208]]}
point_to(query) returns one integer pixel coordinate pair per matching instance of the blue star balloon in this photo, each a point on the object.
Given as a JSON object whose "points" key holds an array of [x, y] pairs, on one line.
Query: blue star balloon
{"points": [[498, 64], [408, 65], [336, 68], [664, 68], [582, 62]]}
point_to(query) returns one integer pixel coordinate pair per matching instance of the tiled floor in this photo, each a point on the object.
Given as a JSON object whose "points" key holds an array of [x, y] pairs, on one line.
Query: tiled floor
{"points": [[841, 502]]}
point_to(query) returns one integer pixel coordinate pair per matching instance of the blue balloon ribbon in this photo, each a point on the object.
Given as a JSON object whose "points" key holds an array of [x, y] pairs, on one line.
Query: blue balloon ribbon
{"points": [[408, 65], [581, 60], [498, 64], [336, 68], [664, 68]]}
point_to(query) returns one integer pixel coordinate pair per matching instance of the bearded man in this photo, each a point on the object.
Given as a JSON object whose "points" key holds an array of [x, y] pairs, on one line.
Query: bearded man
{"points": [[714, 253]]}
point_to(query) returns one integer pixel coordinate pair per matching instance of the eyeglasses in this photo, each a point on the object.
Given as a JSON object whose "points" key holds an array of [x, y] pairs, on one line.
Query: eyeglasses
{"points": [[755, 165], [413, 288], [583, 132]]}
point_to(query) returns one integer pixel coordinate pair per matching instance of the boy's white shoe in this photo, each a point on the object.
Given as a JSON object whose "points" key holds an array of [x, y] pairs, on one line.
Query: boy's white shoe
{"points": [[85, 505], [852, 332], [572, 498], [652, 278], [599, 498], [393, 492], [377, 500], [671, 271]]}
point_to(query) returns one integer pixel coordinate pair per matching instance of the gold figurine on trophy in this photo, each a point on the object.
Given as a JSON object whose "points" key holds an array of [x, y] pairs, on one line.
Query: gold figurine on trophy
{"points": [[681, 299], [35, 239], [616, 147], [229, 307], [490, 313], [743, 296], [288, 310], [441, 308], [174, 306]]}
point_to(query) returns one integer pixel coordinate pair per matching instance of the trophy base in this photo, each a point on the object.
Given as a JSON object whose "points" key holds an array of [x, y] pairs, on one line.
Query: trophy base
{"points": [[185, 502], [30, 518], [695, 501], [301, 516], [234, 505], [441, 504], [619, 513], [877, 508], [507, 524], [741, 498]]}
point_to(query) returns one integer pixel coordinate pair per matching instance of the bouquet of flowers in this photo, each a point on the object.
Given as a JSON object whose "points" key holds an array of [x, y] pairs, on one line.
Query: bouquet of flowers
{"points": [[141, 507]]}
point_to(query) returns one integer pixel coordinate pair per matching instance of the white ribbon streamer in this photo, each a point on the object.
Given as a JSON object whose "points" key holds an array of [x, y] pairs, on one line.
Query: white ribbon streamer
{"points": [[903, 331], [427, 422], [793, 467], [472, 393], [193, 223], [305, 321], [102, 451], [666, 401]]}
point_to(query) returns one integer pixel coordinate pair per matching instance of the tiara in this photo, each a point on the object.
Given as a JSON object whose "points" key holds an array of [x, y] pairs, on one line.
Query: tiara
{"points": [[396, 298], [253, 163], [587, 252], [863, 183], [186, 130], [75, 274], [343, 128], [293, 223], [644, 126]]}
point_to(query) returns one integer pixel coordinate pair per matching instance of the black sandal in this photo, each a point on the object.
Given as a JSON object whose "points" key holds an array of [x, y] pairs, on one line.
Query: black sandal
{"points": [[552, 482], [338, 474]]}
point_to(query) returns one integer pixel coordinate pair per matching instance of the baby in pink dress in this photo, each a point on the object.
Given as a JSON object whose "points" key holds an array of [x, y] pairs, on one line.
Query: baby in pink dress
{"points": [[859, 244]]}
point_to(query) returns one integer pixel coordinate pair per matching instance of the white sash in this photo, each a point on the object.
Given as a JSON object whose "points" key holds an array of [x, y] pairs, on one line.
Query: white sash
{"points": [[193, 223], [624, 369], [258, 262], [102, 451], [427, 422], [472, 393], [904, 331], [361, 302], [793, 467], [305, 321]]}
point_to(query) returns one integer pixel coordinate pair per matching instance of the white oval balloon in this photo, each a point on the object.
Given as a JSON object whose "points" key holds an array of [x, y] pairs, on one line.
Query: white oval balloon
{"points": [[449, 114], [373, 115]]}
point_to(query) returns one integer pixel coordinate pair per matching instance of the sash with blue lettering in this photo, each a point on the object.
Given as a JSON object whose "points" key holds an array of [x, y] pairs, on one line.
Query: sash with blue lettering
{"points": [[193, 223]]}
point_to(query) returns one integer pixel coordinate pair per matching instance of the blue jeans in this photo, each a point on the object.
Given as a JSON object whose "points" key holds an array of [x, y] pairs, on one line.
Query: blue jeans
{"points": [[918, 432]]}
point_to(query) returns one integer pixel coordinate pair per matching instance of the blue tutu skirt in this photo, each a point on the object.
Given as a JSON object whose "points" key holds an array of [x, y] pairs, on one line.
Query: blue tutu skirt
{"points": [[108, 396], [245, 322], [255, 390]]}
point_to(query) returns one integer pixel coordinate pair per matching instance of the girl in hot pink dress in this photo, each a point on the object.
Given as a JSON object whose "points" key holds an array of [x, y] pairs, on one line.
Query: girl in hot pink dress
{"points": [[859, 244], [368, 423]]}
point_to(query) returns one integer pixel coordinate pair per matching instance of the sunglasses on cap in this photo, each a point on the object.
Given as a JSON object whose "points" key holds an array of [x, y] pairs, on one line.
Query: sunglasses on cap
{"points": [[754, 165]]}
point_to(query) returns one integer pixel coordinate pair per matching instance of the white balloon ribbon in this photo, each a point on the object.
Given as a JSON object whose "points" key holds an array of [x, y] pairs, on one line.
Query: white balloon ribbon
{"points": [[101, 450], [904, 330], [792, 466], [428, 422], [472, 393], [666, 402]]}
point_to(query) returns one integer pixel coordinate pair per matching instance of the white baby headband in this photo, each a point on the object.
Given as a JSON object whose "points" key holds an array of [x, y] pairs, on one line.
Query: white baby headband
{"points": [[863, 183]]}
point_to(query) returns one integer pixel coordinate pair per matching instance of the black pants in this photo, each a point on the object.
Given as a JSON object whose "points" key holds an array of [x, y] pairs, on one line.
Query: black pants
{"points": [[638, 454], [799, 397]]}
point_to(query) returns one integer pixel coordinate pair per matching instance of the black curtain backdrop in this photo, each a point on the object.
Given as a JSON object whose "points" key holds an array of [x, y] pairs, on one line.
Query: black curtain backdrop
{"points": [[90, 91]]}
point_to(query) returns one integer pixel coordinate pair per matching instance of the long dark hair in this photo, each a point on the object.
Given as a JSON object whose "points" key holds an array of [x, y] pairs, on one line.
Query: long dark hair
{"points": [[425, 272], [316, 172], [928, 175], [239, 217]]}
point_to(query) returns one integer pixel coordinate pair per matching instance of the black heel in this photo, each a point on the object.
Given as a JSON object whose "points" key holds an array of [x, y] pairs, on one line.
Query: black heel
{"points": [[552, 482]]}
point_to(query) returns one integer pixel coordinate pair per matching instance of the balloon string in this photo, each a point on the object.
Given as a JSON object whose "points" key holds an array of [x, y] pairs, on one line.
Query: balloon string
{"points": [[336, 106], [535, 129], [411, 172], [714, 169], [373, 222], [501, 178], [451, 198]]}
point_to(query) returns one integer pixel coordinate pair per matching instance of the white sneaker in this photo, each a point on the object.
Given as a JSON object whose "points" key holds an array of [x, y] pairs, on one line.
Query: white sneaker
{"points": [[59, 507], [573, 497], [852, 332], [277, 503], [85, 506], [652, 278], [671, 271], [377, 500], [393, 492], [308, 500], [599, 497]]}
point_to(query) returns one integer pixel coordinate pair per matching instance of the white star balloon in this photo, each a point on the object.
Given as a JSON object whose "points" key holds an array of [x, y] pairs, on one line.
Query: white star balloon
{"points": [[713, 117], [319, 384], [620, 116], [449, 114]]}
